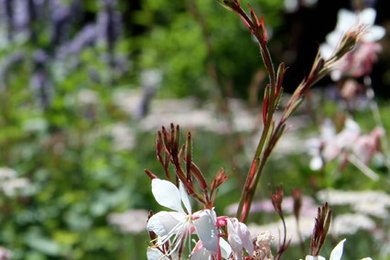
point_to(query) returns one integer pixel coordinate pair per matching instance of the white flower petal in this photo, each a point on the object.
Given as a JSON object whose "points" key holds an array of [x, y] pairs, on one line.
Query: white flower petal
{"points": [[326, 51], [352, 127], [367, 16], [233, 237], [328, 130], [337, 252], [167, 194], [316, 163], [374, 33], [345, 20], [290, 5], [239, 237], [334, 38], [226, 250], [201, 254], [184, 198], [336, 75], [246, 239], [163, 222], [310, 257], [155, 254], [206, 230]]}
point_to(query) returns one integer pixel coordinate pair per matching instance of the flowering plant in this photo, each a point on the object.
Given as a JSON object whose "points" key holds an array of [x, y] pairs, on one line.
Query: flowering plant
{"points": [[171, 230], [202, 234]]}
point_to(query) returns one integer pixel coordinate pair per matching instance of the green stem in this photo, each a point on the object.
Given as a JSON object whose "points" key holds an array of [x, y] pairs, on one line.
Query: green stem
{"points": [[377, 117]]}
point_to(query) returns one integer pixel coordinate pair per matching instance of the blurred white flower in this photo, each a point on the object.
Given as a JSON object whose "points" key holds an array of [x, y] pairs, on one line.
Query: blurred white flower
{"points": [[151, 77], [291, 6], [346, 20], [373, 203], [306, 224], [188, 113], [347, 224], [330, 145], [5, 254], [316, 146], [367, 146], [349, 145], [265, 205], [359, 61], [7, 173], [123, 137], [12, 185], [132, 221], [87, 97]]}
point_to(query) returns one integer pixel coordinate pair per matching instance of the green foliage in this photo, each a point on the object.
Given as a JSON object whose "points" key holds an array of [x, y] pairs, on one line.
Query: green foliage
{"points": [[185, 37]]}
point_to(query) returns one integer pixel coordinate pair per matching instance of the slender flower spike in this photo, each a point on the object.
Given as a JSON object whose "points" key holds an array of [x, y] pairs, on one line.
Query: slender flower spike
{"points": [[277, 199], [321, 227]]}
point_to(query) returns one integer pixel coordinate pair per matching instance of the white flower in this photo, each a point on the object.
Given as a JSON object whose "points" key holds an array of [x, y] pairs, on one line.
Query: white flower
{"points": [[5, 254], [206, 229], [123, 137], [330, 145], [7, 173], [201, 253], [348, 223], [336, 253], [239, 238], [167, 225], [315, 145], [176, 226], [346, 20]]}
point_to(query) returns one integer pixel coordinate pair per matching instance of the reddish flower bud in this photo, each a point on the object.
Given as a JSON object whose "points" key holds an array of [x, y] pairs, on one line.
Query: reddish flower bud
{"points": [[277, 199]]}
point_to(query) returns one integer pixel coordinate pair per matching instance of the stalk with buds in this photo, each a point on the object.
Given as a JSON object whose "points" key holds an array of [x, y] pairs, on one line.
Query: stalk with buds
{"points": [[222, 237], [273, 130]]}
